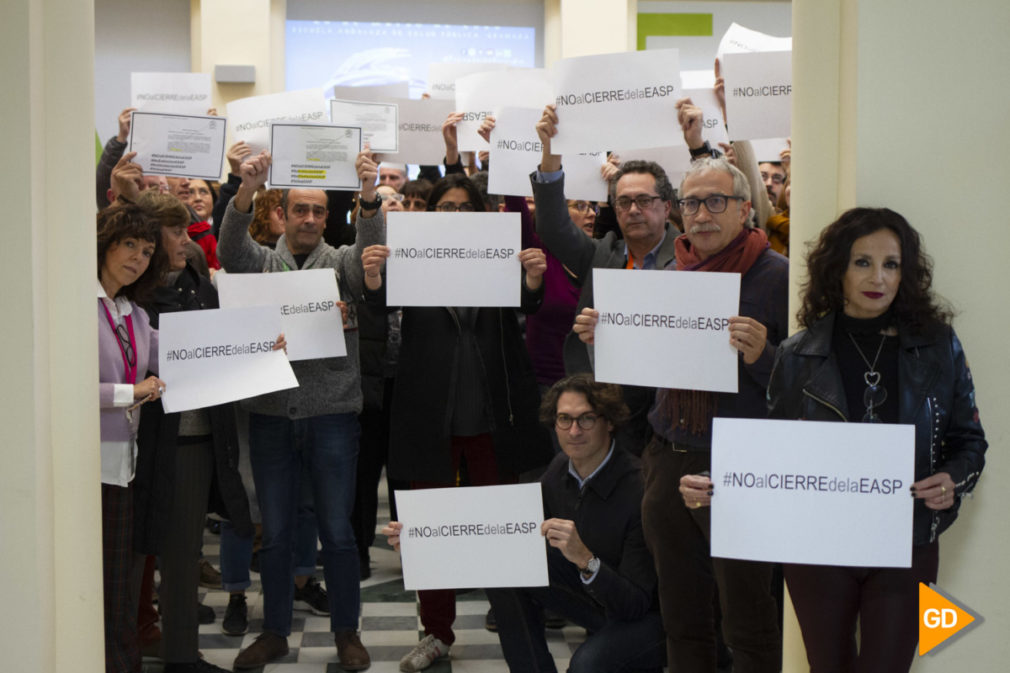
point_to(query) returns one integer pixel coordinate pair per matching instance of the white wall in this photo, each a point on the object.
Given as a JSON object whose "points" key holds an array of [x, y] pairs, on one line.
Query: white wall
{"points": [[135, 36], [697, 53]]}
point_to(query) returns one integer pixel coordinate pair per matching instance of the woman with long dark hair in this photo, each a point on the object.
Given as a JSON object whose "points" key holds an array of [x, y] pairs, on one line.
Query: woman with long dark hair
{"points": [[878, 348]]}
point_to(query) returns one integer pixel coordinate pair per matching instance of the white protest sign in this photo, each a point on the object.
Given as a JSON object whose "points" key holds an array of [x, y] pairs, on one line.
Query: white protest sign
{"points": [[674, 160], [617, 100], [740, 40], [220, 355], [492, 532], [813, 492], [453, 259], [697, 79], [515, 152], [184, 146], [318, 156], [380, 93], [759, 92], [250, 118], [377, 121], [306, 302], [666, 329], [485, 93], [769, 149], [186, 93], [442, 76], [421, 140], [583, 179]]}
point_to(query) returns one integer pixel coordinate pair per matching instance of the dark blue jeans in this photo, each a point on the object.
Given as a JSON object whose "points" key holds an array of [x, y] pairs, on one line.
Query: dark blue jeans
{"points": [[613, 646], [326, 447]]}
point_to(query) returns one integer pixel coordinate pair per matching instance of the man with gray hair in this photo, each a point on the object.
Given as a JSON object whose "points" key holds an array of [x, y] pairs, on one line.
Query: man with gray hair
{"points": [[394, 175], [715, 203]]}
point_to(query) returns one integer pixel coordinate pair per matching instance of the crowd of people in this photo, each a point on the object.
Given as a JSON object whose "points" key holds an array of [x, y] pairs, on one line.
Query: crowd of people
{"points": [[470, 396]]}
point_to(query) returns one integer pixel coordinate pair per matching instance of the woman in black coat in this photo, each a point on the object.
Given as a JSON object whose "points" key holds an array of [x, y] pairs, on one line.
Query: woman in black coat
{"points": [[878, 348]]}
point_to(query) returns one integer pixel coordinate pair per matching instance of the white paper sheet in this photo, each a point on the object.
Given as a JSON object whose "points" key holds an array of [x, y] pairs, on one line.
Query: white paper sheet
{"points": [[515, 152], [185, 93], [378, 122], [759, 89], [420, 136], [617, 100], [674, 160], [813, 492], [306, 301], [740, 40], [666, 329], [486, 93], [250, 118], [318, 156], [474, 537], [220, 355], [184, 146], [381, 93], [453, 259], [713, 128], [442, 77]]}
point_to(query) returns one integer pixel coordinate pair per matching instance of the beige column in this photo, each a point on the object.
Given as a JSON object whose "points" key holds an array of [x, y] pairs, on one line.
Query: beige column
{"points": [[239, 32], [50, 512], [904, 105], [583, 27]]}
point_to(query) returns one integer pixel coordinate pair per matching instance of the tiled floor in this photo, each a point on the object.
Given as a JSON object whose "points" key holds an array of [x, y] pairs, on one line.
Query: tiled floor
{"points": [[389, 625]]}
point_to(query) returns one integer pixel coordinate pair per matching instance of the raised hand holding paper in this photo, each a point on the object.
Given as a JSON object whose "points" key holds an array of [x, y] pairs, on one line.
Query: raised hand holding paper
{"points": [[666, 329], [420, 139], [617, 100], [486, 93], [184, 93], [185, 146], [453, 259], [319, 156], [230, 346], [813, 492], [740, 40], [306, 301], [493, 531], [378, 122]]}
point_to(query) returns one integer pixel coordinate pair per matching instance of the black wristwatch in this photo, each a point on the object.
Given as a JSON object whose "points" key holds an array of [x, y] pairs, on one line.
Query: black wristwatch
{"points": [[702, 151], [371, 205]]}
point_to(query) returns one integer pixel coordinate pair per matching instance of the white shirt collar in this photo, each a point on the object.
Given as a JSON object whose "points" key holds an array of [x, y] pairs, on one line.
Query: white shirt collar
{"points": [[118, 307]]}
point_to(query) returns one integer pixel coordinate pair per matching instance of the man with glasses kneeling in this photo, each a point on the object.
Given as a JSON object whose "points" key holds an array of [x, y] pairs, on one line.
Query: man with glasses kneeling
{"points": [[601, 573]]}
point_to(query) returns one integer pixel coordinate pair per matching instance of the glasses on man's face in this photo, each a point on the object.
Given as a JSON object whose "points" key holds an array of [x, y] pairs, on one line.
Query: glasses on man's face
{"points": [[450, 207], [584, 206], [643, 201], [776, 178], [303, 210], [714, 203], [585, 421]]}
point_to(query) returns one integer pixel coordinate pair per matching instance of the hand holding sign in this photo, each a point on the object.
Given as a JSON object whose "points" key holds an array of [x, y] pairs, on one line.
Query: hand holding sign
{"points": [[368, 171], [534, 261], [125, 117], [748, 336], [486, 127], [696, 489], [690, 118], [254, 174], [127, 178], [392, 532], [564, 536], [450, 137], [373, 258], [547, 128], [236, 154], [936, 491], [585, 325]]}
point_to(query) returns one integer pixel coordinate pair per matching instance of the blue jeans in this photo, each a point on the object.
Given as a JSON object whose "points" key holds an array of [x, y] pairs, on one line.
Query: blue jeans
{"points": [[327, 447], [613, 646]]}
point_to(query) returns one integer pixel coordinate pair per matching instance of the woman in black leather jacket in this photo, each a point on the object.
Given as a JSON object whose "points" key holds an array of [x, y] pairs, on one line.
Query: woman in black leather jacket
{"points": [[878, 348]]}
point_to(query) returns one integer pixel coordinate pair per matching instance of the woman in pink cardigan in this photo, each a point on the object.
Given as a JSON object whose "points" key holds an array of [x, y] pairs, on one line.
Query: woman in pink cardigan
{"points": [[130, 265]]}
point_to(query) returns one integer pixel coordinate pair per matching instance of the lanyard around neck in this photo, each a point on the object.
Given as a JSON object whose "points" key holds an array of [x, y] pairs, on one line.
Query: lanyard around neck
{"points": [[131, 370]]}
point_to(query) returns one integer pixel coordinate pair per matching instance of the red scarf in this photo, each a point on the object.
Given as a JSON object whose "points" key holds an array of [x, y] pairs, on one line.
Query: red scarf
{"points": [[693, 409]]}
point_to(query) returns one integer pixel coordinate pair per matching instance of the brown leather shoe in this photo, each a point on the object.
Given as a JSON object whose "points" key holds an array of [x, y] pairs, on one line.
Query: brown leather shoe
{"points": [[352, 654], [266, 648]]}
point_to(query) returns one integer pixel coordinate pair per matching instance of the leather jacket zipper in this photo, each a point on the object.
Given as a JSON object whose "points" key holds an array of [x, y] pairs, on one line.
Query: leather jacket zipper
{"points": [[827, 404]]}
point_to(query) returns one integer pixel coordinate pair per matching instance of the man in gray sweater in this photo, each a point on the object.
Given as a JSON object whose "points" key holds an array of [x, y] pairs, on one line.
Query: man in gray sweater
{"points": [[312, 428]]}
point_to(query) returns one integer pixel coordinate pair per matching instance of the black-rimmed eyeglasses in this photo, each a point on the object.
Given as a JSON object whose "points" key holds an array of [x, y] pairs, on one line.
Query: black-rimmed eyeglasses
{"points": [[450, 207], [714, 203], [643, 201], [585, 421]]}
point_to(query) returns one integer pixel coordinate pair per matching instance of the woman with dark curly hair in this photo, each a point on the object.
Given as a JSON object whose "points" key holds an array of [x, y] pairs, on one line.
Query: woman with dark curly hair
{"points": [[878, 348], [130, 265]]}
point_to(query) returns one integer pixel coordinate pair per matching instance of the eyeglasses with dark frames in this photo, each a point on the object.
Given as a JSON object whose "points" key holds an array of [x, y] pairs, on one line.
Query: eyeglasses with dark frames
{"points": [[450, 207], [585, 421], [714, 204], [643, 201]]}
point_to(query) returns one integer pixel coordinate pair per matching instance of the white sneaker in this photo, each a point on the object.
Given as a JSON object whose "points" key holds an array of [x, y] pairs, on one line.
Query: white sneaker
{"points": [[424, 655]]}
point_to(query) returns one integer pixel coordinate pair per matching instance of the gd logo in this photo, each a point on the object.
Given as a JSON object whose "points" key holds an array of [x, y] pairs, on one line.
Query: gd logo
{"points": [[940, 618]]}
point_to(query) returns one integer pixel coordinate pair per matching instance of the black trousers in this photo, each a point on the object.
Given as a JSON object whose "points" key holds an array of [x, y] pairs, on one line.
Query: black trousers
{"points": [[678, 538]]}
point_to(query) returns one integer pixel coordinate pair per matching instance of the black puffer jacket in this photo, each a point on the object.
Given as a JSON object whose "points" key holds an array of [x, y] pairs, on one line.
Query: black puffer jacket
{"points": [[159, 432], [937, 396]]}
